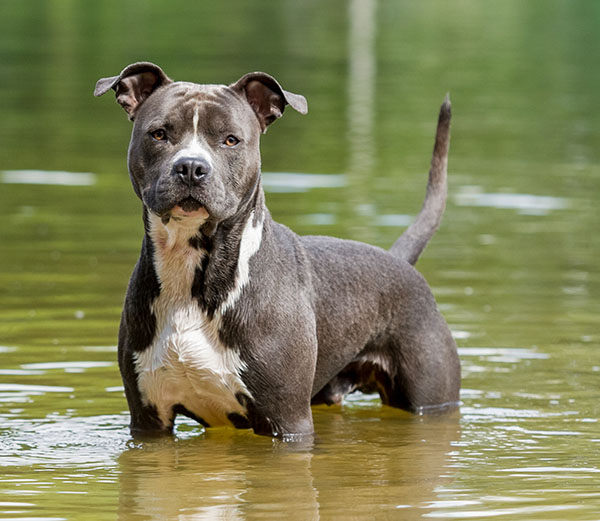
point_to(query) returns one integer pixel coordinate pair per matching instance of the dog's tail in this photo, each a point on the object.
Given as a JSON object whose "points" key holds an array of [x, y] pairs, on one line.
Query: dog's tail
{"points": [[414, 239]]}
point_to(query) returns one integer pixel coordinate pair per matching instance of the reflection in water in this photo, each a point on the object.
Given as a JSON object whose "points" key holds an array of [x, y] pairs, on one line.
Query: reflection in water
{"points": [[233, 475], [514, 266], [215, 476], [43, 177], [526, 204], [290, 182], [361, 85], [360, 113]]}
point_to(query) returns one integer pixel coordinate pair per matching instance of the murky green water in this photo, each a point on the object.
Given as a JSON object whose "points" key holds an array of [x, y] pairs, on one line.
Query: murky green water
{"points": [[514, 267]]}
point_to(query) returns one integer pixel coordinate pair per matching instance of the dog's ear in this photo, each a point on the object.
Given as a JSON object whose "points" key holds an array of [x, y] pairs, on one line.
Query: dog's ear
{"points": [[135, 83], [267, 98]]}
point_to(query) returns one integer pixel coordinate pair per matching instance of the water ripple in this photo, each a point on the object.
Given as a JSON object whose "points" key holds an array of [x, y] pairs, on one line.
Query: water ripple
{"points": [[65, 442]]}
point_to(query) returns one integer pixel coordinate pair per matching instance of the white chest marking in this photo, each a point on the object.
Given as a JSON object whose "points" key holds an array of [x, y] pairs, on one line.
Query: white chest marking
{"points": [[187, 363]]}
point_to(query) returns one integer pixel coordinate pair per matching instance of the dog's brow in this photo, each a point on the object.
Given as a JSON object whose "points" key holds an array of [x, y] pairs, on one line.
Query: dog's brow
{"points": [[157, 123], [211, 113]]}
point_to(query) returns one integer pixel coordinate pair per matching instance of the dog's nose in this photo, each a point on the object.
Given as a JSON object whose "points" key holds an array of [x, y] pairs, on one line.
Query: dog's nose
{"points": [[191, 169]]}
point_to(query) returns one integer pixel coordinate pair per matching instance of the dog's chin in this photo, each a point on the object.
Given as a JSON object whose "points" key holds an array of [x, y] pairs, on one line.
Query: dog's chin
{"points": [[188, 209]]}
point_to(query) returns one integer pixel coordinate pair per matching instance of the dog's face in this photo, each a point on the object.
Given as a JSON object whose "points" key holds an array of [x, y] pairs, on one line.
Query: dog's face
{"points": [[194, 146], [194, 149]]}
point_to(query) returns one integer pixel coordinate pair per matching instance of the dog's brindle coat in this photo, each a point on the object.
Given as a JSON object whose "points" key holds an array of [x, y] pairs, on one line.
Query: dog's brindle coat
{"points": [[231, 318]]}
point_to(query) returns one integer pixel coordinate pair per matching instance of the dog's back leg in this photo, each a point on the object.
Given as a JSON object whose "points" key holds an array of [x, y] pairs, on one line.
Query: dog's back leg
{"points": [[413, 366], [423, 371]]}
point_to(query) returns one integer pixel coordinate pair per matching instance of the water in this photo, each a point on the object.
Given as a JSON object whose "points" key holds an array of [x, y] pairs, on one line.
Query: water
{"points": [[514, 267]]}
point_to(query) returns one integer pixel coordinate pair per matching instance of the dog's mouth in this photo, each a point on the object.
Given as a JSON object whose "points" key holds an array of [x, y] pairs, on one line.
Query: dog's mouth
{"points": [[189, 204], [188, 208]]}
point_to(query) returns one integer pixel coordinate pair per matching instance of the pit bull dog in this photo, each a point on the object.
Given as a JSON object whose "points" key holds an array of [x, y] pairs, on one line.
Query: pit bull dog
{"points": [[231, 318]]}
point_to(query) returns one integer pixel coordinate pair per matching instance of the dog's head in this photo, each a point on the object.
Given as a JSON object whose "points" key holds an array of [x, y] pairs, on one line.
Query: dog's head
{"points": [[194, 149]]}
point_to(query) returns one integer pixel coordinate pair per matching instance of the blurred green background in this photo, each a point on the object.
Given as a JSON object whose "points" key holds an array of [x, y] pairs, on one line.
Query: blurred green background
{"points": [[514, 266]]}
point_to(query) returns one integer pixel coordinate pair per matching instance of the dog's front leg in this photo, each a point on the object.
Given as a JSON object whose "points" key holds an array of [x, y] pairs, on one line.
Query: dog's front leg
{"points": [[296, 425], [145, 420], [136, 331], [280, 383]]}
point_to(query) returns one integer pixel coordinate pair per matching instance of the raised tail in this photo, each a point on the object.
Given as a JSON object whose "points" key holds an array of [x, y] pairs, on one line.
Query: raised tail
{"points": [[414, 239]]}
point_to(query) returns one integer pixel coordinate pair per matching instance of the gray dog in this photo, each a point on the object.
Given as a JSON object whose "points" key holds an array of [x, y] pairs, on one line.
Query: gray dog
{"points": [[231, 318]]}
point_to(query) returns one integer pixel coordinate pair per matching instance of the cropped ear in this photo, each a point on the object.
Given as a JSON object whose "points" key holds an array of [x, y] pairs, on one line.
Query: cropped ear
{"points": [[133, 86], [267, 98]]}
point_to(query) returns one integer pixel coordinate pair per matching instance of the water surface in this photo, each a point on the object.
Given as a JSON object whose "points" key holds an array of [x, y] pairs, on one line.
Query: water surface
{"points": [[514, 267]]}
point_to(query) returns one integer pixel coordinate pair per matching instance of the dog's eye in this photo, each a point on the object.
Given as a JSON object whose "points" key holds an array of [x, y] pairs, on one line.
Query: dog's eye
{"points": [[231, 141], [159, 134]]}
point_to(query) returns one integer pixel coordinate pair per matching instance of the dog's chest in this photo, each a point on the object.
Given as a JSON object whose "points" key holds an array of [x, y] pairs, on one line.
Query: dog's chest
{"points": [[187, 365]]}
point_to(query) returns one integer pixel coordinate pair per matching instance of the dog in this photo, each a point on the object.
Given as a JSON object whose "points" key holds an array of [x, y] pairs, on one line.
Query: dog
{"points": [[230, 318]]}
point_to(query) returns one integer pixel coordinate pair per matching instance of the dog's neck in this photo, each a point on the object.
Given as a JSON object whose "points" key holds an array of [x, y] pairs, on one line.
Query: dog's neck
{"points": [[196, 258]]}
